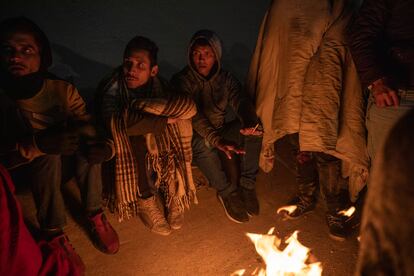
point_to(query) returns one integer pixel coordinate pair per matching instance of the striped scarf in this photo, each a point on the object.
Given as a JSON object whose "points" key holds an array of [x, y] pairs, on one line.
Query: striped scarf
{"points": [[169, 154]]}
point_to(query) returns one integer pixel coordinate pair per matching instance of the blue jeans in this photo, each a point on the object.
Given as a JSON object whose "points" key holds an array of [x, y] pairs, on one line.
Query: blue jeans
{"points": [[380, 120], [47, 173], [207, 159]]}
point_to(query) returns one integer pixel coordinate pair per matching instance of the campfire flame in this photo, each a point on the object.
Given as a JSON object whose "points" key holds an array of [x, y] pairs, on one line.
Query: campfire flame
{"points": [[289, 209], [348, 213], [290, 261]]}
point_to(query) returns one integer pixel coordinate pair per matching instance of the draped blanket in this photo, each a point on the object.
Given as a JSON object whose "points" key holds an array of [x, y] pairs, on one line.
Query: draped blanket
{"points": [[169, 154], [304, 81]]}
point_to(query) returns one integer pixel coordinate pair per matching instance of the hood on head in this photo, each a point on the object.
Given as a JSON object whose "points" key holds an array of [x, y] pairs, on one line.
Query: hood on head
{"points": [[214, 42]]}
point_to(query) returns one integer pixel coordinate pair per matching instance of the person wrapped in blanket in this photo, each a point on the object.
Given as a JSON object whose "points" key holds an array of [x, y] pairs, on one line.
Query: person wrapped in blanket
{"points": [[152, 133], [46, 135]]}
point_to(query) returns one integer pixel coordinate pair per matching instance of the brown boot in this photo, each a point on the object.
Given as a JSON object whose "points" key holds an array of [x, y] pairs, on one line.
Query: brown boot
{"points": [[151, 214], [175, 215]]}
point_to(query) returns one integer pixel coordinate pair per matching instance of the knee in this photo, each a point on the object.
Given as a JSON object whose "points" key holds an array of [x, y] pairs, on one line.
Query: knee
{"points": [[303, 157]]}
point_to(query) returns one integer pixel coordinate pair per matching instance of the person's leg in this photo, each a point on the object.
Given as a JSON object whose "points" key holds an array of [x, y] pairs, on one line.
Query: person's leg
{"points": [[89, 179], [329, 170], [46, 176], [247, 164], [208, 161], [150, 208], [379, 121], [306, 179]]}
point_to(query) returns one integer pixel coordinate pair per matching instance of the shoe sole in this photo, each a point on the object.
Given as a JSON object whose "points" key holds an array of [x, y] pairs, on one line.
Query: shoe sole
{"points": [[336, 238], [287, 216], [227, 214], [161, 233]]}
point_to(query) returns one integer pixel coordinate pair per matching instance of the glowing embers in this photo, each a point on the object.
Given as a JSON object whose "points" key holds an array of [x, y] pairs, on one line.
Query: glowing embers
{"points": [[292, 260], [289, 209], [347, 213]]}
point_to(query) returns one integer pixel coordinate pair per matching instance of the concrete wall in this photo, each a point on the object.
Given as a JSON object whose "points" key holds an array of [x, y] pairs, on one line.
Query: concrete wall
{"points": [[88, 37]]}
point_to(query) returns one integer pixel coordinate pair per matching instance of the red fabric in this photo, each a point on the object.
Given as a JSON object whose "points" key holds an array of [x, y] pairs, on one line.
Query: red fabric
{"points": [[19, 254]]}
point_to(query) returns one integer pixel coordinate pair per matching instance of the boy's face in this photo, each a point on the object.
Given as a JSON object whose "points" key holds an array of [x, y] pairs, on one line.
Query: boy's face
{"points": [[203, 58], [137, 68], [20, 54]]}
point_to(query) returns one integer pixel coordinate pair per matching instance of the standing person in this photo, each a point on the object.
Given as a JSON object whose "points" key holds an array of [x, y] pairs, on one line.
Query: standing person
{"points": [[151, 128], [382, 45], [306, 89], [50, 130], [218, 144]]}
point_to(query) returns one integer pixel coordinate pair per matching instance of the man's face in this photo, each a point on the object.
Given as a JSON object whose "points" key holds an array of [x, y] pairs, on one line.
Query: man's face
{"points": [[137, 68], [20, 54], [203, 58]]}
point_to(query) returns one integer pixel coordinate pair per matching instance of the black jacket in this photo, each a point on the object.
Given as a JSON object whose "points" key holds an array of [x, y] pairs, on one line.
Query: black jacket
{"points": [[382, 42]]}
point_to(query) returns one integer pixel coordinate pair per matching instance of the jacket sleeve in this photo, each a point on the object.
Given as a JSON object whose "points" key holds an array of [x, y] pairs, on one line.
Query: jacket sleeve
{"points": [[366, 41], [241, 103], [200, 123]]}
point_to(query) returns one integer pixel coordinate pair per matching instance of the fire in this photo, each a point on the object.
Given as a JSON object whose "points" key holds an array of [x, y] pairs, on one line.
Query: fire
{"points": [[290, 261], [290, 209], [348, 212]]}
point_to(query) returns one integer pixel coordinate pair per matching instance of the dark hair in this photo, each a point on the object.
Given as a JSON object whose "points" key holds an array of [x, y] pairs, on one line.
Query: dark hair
{"points": [[143, 43], [24, 25], [200, 42]]}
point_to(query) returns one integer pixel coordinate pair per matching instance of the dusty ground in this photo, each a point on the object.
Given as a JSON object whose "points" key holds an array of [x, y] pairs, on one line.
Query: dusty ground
{"points": [[209, 243]]}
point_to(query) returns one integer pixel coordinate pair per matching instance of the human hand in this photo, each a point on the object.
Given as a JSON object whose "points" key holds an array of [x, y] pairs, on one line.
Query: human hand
{"points": [[57, 140], [383, 95], [228, 147]]}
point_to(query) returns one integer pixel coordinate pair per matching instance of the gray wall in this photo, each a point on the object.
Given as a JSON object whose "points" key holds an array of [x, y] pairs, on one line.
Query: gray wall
{"points": [[88, 37]]}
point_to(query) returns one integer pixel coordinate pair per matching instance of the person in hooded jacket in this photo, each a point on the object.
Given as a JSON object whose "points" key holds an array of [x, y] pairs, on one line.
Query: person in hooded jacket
{"points": [[226, 151], [45, 130]]}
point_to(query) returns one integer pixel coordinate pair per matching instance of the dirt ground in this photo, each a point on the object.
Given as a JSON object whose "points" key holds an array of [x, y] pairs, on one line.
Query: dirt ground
{"points": [[209, 243]]}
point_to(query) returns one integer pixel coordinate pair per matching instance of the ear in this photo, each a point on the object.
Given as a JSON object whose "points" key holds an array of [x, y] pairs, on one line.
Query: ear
{"points": [[154, 70]]}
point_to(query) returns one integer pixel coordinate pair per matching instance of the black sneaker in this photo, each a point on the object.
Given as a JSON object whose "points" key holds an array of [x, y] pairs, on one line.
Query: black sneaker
{"points": [[234, 207], [250, 201], [337, 227], [302, 207]]}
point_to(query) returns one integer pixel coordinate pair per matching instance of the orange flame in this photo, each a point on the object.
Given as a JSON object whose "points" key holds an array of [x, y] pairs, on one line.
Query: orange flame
{"points": [[290, 261], [289, 209], [348, 213]]}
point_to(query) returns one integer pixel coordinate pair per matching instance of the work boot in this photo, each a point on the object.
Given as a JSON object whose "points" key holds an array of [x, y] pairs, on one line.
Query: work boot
{"points": [[175, 215], [251, 203], [303, 206], [152, 215], [337, 227], [103, 234], [234, 207]]}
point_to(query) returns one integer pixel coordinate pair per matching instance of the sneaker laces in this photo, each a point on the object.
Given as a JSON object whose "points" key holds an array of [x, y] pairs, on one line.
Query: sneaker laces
{"points": [[334, 221], [150, 206]]}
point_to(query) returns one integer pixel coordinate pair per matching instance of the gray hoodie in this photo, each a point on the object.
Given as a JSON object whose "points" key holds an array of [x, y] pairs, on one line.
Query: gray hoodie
{"points": [[213, 94]]}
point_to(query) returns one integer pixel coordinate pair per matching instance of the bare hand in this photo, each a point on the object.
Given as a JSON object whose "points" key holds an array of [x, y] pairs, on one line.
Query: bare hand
{"points": [[383, 95], [228, 147]]}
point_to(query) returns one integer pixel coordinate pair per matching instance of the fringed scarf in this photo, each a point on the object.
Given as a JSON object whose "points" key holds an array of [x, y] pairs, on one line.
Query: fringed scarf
{"points": [[169, 154]]}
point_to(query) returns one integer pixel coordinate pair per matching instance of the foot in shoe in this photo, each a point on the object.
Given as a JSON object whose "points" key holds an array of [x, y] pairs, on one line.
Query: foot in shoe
{"points": [[102, 233], [175, 214], [152, 215], [251, 203], [234, 207], [337, 227], [302, 207]]}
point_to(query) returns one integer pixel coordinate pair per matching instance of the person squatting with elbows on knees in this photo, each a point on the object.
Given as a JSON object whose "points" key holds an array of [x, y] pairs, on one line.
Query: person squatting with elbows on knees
{"points": [[307, 90], [47, 129], [227, 152], [151, 129]]}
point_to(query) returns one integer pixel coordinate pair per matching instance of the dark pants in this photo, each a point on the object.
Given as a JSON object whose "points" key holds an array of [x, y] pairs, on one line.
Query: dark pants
{"points": [[317, 167], [223, 174], [47, 173]]}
